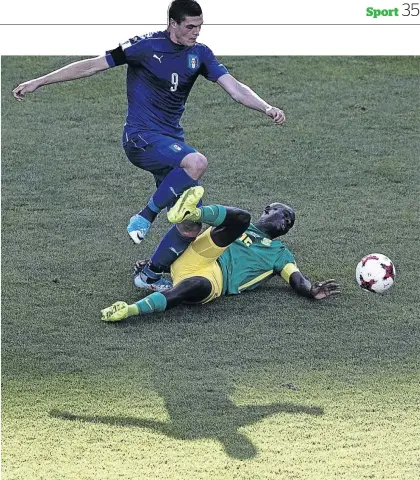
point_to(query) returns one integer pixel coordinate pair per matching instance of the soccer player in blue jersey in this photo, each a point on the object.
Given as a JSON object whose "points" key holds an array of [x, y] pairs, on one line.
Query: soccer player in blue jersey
{"points": [[162, 68], [233, 256]]}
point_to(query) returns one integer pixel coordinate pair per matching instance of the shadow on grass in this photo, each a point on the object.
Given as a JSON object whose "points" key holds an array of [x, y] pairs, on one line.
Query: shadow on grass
{"points": [[191, 423]]}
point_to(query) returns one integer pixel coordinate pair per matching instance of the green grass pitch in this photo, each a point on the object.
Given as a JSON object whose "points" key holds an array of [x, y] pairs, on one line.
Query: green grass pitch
{"points": [[264, 385]]}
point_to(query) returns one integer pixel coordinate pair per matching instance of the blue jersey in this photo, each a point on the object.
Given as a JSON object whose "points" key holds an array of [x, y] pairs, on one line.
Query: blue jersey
{"points": [[160, 76]]}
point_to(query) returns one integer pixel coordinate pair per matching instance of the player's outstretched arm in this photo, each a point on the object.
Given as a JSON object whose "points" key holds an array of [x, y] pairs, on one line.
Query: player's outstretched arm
{"points": [[73, 71], [316, 290], [246, 96]]}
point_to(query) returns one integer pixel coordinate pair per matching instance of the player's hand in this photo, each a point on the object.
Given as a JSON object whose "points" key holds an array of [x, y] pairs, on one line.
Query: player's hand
{"points": [[21, 90], [320, 290], [276, 114]]}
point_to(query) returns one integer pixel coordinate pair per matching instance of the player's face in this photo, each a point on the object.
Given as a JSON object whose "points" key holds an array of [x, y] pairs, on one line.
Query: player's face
{"points": [[278, 219], [186, 32]]}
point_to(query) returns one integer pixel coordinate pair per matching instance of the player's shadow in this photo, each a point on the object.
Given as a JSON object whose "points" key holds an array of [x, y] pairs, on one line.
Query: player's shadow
{"points": [[194, 367], [193, 417]]}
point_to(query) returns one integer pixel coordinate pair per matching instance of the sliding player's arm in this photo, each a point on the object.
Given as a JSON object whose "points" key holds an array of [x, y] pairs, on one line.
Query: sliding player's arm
{"points": [[73, 71], [246, 96], [302, 286]]}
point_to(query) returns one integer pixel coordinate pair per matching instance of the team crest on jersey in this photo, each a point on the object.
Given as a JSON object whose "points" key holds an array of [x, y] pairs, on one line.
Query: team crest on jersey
{"points": [[266, 242], [193, 62], [176, 146]]}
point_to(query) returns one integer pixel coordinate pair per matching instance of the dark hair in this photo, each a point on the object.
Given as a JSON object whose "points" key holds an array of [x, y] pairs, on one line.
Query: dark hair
{"points": [[180, 9]]}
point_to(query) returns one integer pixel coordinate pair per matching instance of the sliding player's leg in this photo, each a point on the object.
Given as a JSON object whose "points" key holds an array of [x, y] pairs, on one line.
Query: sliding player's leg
{"points": [[229, 222], [193, 290]]}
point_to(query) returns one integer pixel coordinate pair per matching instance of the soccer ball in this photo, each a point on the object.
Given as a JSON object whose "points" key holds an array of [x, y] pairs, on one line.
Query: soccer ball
{"points": [[375, 273]]}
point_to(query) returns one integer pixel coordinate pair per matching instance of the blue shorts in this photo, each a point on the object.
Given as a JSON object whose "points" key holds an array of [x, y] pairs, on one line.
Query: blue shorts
{"points": [[159, 155]]}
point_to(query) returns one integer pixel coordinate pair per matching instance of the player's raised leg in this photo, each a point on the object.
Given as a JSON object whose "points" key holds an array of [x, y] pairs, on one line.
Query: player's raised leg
{"points": [[229, 222], [176, 166], [186, 206]]}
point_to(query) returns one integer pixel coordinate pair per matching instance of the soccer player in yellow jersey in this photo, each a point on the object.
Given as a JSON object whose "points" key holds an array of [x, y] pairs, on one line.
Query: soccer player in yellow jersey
{"points": [[231, 256]]}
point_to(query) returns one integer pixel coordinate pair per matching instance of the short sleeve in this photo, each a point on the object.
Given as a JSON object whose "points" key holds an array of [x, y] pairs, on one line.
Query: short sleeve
{"points": [[211, 68], [136, 50], [284, 257], [287, 270]]}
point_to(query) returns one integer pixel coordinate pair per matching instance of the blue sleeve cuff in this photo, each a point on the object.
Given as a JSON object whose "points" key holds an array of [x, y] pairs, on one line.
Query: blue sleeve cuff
{"points": [[110, 60], [219, 74]]}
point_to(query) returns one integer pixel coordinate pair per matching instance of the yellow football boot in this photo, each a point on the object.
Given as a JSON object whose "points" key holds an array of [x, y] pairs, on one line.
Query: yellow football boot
{"points": [[186, 206], [116, 312]]}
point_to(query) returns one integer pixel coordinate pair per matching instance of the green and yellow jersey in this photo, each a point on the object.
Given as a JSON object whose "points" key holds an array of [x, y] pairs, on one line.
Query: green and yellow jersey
{"points": [[253, 258]]}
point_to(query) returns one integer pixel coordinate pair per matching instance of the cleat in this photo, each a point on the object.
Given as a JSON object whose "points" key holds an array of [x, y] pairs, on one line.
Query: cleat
{"points": [[139, 265], [162, 284], [142, 280], [138, 228], [116, 312], [186, 206]]}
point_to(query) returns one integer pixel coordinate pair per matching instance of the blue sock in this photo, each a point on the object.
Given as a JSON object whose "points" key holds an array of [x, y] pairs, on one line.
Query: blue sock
{"points": [[176, 182], [169, 249], [148, 214]]}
